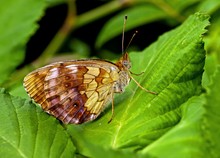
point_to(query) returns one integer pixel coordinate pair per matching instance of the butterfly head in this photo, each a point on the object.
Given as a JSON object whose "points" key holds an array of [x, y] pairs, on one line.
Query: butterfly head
{"points": [[124, 62]]}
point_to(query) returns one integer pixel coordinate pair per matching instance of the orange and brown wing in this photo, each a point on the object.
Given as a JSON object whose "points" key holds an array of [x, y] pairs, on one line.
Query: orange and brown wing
{"points": [[34, 85], [73, 93]]}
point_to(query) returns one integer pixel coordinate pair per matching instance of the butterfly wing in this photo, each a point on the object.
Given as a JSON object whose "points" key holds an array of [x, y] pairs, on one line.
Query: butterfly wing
{"points": [[34, 85], [74, 91]]}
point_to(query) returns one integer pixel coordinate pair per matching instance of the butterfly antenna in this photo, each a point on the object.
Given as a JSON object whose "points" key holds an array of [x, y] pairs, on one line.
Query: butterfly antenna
{"points": [[131, 39], [123, 34]]}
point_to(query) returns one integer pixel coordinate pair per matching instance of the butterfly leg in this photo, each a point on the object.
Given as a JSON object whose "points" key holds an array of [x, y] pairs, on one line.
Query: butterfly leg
{"points": [[146, 90], [136, 73]]}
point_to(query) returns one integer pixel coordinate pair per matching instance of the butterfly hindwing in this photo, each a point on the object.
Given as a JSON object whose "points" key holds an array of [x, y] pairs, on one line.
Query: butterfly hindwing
{"points": [[74, 92]]}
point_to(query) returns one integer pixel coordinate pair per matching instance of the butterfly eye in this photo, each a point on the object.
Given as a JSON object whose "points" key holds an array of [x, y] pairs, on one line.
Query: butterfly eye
{"points": [[126, 64]]}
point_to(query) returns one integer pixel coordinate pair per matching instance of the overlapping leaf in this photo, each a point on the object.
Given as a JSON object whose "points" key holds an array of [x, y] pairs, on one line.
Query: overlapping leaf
{"points": [[26, 131], [212, 116]]}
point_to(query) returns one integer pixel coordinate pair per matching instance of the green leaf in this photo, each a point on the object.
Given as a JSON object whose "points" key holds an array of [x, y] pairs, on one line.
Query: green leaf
{"points": [[211, 130], [139, 15], [211, 64], [212, 46], [186, 137], [19, 91], [18, 19], [27, 131], [173, 68]]}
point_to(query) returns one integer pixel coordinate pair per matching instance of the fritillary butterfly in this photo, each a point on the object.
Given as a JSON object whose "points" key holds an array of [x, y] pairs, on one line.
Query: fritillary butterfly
{"points": [[77, 91]]}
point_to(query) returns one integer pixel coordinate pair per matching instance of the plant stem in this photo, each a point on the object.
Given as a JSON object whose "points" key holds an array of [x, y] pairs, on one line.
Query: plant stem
{"points": [[60, 37], [100, 12]]}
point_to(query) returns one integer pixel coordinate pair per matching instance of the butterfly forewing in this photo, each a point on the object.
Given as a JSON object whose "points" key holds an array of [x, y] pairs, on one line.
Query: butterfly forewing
{"points": [[73, 91]]}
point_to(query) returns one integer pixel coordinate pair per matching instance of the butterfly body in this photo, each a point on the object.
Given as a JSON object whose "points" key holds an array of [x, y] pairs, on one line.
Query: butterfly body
{"points": [[77, 91]]}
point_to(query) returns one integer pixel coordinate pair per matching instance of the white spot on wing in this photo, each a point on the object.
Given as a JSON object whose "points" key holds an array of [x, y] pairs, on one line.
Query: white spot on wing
{"points": [[73, 68], [54, 73]]}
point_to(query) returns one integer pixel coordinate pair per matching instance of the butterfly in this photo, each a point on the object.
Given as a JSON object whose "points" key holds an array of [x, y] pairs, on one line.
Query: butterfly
{"points": [[77, 91]]}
